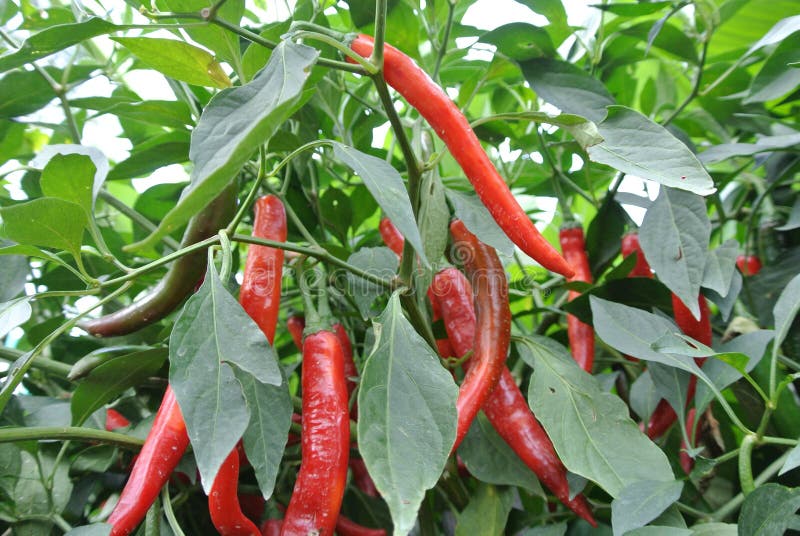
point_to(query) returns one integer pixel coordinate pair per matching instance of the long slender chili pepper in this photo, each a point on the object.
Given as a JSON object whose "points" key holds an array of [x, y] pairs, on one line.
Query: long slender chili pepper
{"points": [[580, 334], [452, 127], [493, 318], [260, 296], [631, 246], [348, 527], [319, 488], [664, 416], [506, 408], [180, 280], [162, 450]]}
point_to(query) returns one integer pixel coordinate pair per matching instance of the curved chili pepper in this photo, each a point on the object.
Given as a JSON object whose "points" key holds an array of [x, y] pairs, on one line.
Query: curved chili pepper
{"points": [[271, 527], [748, 264], [493, 320], [452, 127], [115, 420], [162, 450], [664, 416], [580, 334], [391, 236], [630, 245], [296, 324], [179, 281], [506, 408], [325, 449], [260, 297], [361, 477], [348, 527]]}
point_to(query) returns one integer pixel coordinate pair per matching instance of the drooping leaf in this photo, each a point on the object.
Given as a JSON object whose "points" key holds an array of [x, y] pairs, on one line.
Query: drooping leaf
{"points": [[636, 145], [586, 424], [47, 222], [641, 502], [178, 60], [233, 125], [774, 80], [404, 391], [720, 267], [486, 513], [674, 236], [477, 219]]}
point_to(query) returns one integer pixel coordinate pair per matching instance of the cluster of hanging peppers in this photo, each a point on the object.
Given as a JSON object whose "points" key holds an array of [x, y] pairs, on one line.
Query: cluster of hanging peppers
{"points": [[473, 306]]}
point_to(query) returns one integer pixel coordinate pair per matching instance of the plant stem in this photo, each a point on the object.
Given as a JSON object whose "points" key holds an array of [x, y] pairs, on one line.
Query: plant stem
{"points": [[71, 433], [451, 7], [733, 505], [47, 365], [695, 87], [380, 35], [170, 515], [745, 464]]}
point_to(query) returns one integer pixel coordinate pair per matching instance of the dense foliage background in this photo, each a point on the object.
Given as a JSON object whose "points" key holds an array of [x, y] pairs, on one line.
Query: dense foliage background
{"points": [[679, 119]]}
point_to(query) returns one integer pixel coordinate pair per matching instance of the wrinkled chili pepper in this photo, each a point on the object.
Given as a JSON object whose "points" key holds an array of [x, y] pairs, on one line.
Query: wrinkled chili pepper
{"points": [[179, 281], [506, 408], [493, 320], [748, 264], [162, 450], [325, 442], [452, 127], [580, 334], [260, 297], [664, 416]]}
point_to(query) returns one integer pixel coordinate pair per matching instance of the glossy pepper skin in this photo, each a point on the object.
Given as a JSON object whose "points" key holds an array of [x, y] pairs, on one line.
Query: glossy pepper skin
{"points": [[630, 246], [452, 127], [348, 527], [748, 264], [179, 281], [260, 297], [664, 416], [581, 335], [493, 321], [115, 420], [506, 407], [325, 442], [391, 236], [162, 450]]}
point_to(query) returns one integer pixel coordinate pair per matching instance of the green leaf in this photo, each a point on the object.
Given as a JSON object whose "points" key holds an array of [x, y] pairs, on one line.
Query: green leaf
{"points": [[634, 332], [378, 261], [792, 461], [587, 425], [111, 379], [521, 41], [476, 218], [489, 458], [233, 125], [47, 222], [14, 271], [641, 502], [720, 267], [633, 10], [25, 92], [404, 390], [643, 396], [793, 221], [268, 429], [636, 145], [14, 313], [144, 162], [568, 88], [725, 151], [386, 186], [163, 113], [434, 217], [95, 529], [785, 310], [54, 39], [774, 80], [782, 29], [715, 529], [213, 343], [672, 384], [675, 234], [486, 513], [30, 251], [71, 178], [178, 60], [96, 156], [768, 510]]}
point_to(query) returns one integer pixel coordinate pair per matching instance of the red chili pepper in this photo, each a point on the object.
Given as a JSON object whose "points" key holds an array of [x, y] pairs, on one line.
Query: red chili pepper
{"points": [[115, 420], [493, 320], [260, 297], [271, 527], [748, 264], [296, 324], [664, 416], [320, 484], [630, 245], [391, 236], [348, 527], [252, 503], [687, 462], [506, 408], [580, 334], [162, 450], [361, 477], [452, 127]]}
